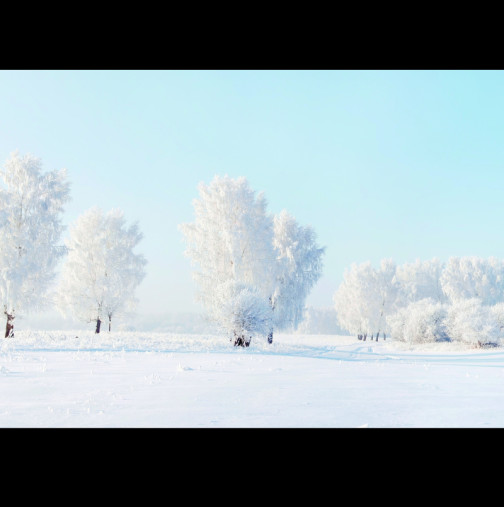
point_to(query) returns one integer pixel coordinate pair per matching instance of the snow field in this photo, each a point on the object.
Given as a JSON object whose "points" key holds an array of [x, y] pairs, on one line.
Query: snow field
{"points": [[53, 379]]}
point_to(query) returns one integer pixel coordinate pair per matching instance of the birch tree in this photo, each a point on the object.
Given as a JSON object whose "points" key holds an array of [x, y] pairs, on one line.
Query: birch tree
{"points": [[420, 280], [101, 272], [31, 206], [231, 239], [298, 266], [366, 297], [474, 277]]}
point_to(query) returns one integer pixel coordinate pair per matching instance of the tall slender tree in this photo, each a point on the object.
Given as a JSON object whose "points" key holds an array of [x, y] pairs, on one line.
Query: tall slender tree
{"points": [[298, 268], [366, 297], [31, 205], [231, 239]]}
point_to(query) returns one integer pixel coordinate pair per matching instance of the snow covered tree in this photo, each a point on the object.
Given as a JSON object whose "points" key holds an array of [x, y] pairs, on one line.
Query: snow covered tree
{"points": [[384, 303], [101, 271], [231, 239], [419, 280], [497, 311], [31, 205], [350, 299], [235, 239], [299, 267], [365, 298], [474, 277]]}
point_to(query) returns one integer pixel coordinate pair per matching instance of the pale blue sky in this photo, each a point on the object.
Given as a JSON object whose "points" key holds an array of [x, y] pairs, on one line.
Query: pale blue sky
{"points": [[402, 164]]}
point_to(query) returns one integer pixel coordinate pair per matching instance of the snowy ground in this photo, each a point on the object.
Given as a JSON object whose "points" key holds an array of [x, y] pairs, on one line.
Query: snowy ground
{"points": [[65, 379]]}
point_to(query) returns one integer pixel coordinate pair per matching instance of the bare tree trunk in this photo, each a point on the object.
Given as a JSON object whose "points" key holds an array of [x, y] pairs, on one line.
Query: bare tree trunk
{"points": [[9, 328], [98, 324], [240, 341], [364, 338], [371, 336], [270, 335], [109, 322], [384, 336], [377, 334], [359, 337]]}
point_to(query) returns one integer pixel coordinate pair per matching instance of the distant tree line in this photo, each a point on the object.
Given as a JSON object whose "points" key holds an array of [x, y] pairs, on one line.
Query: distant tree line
{"points": [[425, 301]]}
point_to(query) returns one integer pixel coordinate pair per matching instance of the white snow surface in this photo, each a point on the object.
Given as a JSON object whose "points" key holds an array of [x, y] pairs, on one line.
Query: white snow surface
{"points": [[162, 380]]}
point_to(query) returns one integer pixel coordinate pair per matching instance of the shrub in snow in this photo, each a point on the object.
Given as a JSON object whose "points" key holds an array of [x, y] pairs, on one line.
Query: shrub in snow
{"points": [[241, 311], [101, 271], [419, 322], [469, 321], [233, 239], [31, 205]]}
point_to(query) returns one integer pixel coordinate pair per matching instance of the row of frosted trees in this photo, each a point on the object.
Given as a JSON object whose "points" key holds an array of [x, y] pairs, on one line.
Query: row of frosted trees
{"points": [[254, 269], [100, 270], [425, 301]]}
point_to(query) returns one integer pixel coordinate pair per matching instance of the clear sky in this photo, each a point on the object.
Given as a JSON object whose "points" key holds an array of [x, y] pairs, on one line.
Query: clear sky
{"points": [[402, 164]]}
